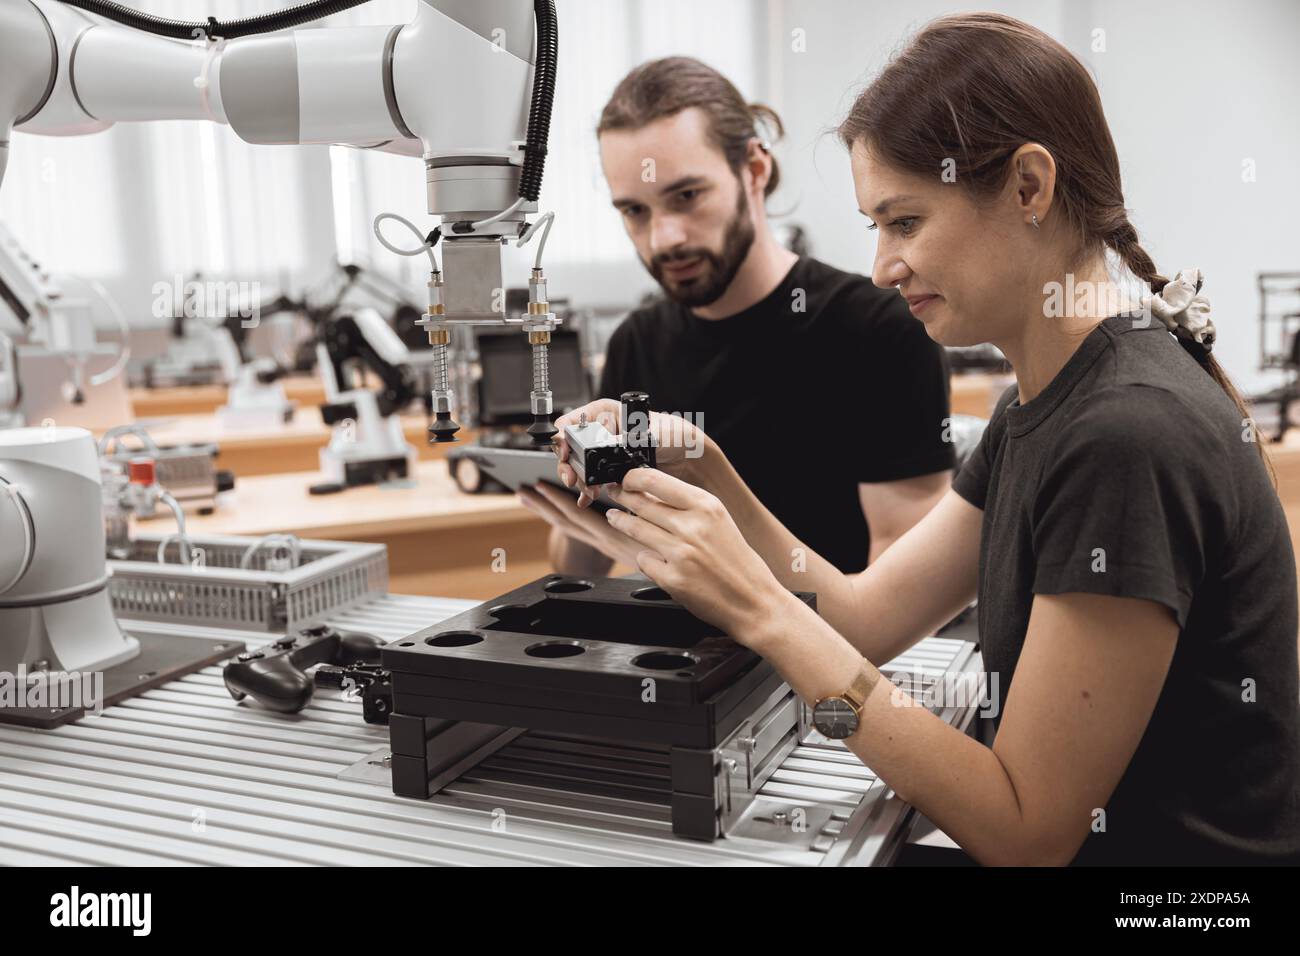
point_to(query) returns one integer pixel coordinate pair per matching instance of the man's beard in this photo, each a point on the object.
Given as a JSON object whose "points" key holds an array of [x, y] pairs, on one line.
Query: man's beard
{"points": [[717, 269]]}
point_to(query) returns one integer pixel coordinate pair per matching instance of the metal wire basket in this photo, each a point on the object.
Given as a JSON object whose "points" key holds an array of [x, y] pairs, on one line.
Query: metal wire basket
{"points": [[263, 595]]}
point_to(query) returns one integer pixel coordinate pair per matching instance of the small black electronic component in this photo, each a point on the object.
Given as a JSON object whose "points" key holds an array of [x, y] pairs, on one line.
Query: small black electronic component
{"points": [[600, 457], [370, 682]]}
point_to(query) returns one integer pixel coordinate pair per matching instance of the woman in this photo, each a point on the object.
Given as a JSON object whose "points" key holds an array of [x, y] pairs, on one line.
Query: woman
{"points": [[1136, 583]]}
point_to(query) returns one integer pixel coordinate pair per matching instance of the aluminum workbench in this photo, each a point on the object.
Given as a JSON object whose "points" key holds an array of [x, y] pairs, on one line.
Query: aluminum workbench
{"points": [[182, 775]]}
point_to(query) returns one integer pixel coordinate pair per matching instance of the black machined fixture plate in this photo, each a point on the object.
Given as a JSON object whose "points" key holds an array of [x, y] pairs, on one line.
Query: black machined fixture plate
{"points": [[162, 658], [628, 661]]}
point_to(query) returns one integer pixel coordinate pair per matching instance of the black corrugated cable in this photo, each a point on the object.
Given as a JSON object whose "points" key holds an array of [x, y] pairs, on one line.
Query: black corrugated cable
{"points": [[212, 27], [539, 114]]}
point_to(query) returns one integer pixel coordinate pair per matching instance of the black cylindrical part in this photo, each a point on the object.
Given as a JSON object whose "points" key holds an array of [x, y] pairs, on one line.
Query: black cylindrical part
{"points": [[635, 423]]}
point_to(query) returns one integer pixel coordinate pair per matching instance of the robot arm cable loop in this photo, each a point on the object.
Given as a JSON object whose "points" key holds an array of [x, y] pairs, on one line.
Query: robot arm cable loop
{"points": [[543, 223], [426, 243]]}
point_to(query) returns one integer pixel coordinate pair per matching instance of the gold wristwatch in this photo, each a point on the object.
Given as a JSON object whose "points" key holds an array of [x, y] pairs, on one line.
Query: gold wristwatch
{"points": [[839, 716]]}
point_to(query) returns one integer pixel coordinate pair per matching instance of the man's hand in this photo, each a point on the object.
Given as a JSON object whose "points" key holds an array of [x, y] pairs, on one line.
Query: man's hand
{"points": [[560, 510]]}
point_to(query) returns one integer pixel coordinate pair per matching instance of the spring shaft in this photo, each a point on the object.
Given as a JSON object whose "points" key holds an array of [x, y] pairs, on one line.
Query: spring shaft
{"points": [[440, 368], [541, 371]]}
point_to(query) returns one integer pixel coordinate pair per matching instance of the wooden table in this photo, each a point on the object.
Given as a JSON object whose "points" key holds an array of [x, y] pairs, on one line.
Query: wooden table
{"points": [[184, 415], [977, 393], [249, 452], [440, 540], [306, 390], [1286, 462]]}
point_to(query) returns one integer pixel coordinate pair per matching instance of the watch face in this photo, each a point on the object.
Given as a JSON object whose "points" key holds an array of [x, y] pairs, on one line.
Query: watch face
{"points": [[835, 718]]}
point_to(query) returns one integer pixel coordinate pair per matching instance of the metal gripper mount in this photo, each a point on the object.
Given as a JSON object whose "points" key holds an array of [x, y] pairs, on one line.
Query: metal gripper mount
{"points": [[539, 323]]}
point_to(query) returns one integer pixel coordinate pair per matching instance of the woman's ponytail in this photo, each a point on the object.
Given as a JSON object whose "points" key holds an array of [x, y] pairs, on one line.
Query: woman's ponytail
{"points": [[1124, 240]]}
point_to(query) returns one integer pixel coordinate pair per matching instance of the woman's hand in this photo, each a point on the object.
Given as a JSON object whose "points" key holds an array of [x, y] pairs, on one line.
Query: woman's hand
{"points": [[692, 549], [560, 510], [678, 443]]}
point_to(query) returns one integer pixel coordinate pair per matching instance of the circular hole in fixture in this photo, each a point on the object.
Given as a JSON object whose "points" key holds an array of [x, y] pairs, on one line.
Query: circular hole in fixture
{"points": [[661, 661], [652, 594], [454, 639], [554, 649], [563, 586]]}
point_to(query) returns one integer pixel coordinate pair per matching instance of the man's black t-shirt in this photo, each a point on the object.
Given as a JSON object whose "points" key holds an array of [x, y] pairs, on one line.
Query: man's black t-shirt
{"points": [[1132, 474], [826, 383]]}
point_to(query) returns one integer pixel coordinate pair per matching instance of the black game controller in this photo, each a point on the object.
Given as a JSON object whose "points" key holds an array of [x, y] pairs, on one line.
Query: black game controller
{"points": [[274, 676]]}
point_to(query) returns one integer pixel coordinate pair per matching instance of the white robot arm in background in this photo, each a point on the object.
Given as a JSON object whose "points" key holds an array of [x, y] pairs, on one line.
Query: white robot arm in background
{"points": [[452, 85], [37, 309], [367, 444]]}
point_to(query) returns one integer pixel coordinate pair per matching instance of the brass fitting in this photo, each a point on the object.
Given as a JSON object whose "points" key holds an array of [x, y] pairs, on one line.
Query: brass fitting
{"points": [[537, 304], [435, 294]]}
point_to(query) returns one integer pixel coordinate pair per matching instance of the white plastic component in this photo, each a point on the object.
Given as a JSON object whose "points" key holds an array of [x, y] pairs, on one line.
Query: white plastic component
{"points": [[84, 635], [371, 437], [33, 288], [160, 83], [64, 449], [62, 324], [340, 86], [9, 414], [62, 115], [18, 535], [436, 63], [223, 343], [26, 62], [69, 328], [254, 404], [58, 611], [381, 336]]}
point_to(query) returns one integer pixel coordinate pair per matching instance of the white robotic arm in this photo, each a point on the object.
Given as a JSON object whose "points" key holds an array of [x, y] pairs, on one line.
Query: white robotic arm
{"points": [[64, 72], [37, 309], [456, 80]]}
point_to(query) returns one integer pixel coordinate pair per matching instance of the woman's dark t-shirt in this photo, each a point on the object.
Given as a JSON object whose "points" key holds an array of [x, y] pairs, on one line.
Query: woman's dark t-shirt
{"points": [[827, 383], [1132, 474]]}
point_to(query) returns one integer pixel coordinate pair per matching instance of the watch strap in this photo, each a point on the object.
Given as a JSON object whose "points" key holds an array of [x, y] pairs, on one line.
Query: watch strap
{"points": [[862, 686]]}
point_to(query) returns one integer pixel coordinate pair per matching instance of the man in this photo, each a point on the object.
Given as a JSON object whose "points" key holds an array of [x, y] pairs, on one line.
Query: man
{"points": [[762, 348]]}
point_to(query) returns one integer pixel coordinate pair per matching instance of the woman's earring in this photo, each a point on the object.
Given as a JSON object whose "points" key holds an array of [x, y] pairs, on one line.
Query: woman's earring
{"points": [[1034, 220]]}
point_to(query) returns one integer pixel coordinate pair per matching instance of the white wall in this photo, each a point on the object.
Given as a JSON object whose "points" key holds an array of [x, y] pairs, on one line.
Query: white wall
{"points": [[1192, 89]]}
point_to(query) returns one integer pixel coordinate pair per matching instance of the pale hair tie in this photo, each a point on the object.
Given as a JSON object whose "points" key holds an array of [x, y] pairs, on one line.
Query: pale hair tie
{"points": [[1183, 310]]}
